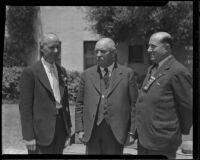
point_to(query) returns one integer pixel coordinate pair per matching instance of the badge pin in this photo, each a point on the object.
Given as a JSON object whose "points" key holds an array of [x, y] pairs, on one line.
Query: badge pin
{"points": [[158, 83]]}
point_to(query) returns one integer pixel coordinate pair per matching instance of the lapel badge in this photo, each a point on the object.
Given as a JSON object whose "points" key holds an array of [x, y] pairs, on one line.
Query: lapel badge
{"points": [[158, 83], [149, 83], [64, 79]]}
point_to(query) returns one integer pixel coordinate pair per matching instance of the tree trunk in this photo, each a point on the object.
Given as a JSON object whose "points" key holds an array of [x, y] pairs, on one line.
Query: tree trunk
{"points": [[33, 50]]}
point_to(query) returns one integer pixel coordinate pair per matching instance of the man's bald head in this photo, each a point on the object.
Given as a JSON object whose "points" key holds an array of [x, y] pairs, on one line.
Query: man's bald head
{"points": [[49, 38], [49, 47], [160, 46], [107, 43], [163, 37], [105, 51]]}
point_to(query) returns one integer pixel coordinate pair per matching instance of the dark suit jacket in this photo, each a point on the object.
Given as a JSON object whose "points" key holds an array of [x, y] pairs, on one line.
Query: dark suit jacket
{"points": [[164, 110], [121, 100], [38, 106]]}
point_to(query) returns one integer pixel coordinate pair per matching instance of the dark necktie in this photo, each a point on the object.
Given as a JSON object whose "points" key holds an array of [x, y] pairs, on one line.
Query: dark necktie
{"points": [[154, 68], [106, 77]]}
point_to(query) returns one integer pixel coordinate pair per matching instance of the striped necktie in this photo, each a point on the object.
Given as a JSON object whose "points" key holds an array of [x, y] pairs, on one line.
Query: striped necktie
{"points": [[106, 77]]}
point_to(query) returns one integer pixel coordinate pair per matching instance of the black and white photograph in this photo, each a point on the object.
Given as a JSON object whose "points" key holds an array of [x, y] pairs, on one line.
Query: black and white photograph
{"points": [[98, 80]]}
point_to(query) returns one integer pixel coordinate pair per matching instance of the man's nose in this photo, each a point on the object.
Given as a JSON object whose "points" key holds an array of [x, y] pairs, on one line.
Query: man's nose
{"points": [[149, 49], [99, 53], [56, 50]]}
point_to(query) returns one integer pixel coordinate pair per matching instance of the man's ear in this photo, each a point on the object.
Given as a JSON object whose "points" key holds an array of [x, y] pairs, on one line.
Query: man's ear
{"points": [[167, 46]]}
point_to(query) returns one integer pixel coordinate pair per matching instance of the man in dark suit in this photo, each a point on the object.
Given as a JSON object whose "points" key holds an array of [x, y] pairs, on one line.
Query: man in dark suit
{"points": [[44, 107], [164, 105], [106, 99]]}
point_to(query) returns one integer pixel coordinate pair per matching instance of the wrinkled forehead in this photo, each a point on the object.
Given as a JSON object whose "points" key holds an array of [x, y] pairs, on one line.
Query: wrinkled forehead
{"points": [[50, 39], [155, 40], [105, 44]]}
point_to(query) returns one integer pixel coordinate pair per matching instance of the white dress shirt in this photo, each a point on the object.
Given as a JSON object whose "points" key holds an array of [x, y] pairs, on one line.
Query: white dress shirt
{"points": [[52, 75]]}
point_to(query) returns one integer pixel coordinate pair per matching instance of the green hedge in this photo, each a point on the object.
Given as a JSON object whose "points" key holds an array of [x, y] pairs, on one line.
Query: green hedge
{"points": [[10, 84]]}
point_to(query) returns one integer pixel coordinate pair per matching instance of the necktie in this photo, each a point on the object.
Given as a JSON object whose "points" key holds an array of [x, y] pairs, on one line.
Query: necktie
{"points": [[55, 84], [106, 77], [154, 68]]}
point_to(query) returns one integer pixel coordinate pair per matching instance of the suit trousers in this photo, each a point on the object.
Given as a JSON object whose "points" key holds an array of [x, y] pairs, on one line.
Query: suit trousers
{"points": [[103, 141], [57, 145], [169, 153]]}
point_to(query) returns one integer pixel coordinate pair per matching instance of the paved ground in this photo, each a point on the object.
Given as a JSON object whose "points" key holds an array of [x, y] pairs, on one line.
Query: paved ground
{"points": [[12, 139]]}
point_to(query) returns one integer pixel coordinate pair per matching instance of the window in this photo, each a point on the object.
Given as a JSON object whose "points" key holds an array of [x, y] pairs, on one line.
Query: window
{"points": [[135, 54], [89, 55]]}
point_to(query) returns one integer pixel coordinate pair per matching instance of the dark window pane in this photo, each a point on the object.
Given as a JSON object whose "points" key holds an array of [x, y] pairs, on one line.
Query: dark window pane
{"points": [[135, 53], [89, 55]]}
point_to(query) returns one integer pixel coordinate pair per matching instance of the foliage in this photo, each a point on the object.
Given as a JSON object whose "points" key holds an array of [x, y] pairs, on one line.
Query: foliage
{"points": [[123, 22], [9, 59], [21, 30], [10, 84], [73, 84]]}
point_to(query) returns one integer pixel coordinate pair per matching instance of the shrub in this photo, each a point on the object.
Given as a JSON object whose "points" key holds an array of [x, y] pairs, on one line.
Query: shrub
{"points": [[73, 83], [10, 83]]}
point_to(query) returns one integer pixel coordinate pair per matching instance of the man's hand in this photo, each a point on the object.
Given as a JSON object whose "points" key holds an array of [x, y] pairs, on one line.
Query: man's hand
{"points": [[30, 145], [80, 136], [130, 140]]}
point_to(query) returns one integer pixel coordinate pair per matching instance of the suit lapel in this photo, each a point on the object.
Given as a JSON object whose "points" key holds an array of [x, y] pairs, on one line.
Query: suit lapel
{"points": [[159, 73], [116, 77], [61, 83], [162, 70], [95, 79], [147, 76], [43, 78]]}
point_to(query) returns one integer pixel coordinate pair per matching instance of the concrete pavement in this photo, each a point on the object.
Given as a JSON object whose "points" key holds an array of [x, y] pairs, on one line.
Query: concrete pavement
{"points": [[80, 150]]}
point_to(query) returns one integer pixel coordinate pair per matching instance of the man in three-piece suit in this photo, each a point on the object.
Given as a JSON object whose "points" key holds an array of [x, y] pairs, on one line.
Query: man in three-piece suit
{"points": [[164, 105], [44, 108], [105, 102]]}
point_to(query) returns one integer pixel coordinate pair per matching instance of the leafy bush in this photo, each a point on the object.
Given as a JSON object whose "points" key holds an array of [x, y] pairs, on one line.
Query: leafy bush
{"points": [[73, 83], [10, 84]]}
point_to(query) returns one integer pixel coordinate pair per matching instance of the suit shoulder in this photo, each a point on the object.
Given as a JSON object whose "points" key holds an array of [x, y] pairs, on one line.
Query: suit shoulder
{"points": [[31, 68], [62, 68], [126, 69], [178, 67], [91, 69]]}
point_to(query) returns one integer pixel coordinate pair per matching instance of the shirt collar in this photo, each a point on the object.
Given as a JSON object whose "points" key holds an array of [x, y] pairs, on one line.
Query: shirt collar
{"points": [[47, 64], [110, 68]]}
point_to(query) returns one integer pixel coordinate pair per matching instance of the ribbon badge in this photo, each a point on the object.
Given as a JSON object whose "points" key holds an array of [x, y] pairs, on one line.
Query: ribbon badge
{"points": [[149, 83]]}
